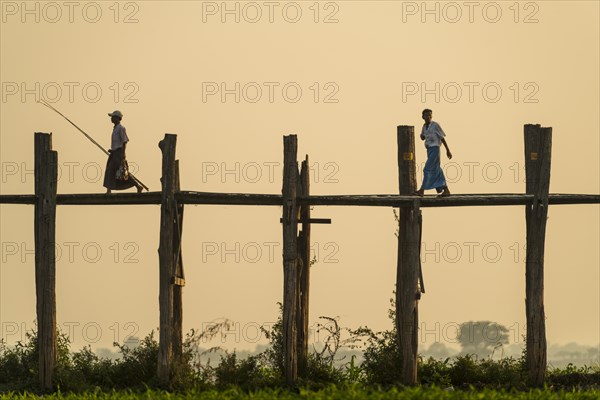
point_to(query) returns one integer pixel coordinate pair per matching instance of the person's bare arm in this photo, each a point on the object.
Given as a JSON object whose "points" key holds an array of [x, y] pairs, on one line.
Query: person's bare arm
{"points": [[124, 139], [448, 152]]}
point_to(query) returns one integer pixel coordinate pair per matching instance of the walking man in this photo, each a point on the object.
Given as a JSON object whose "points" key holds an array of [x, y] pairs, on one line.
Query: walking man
{"points": [[433, 176], [118, 142]]}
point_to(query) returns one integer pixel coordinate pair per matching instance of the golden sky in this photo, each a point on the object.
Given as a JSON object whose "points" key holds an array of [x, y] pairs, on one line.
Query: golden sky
{"points": [[230, 79]]}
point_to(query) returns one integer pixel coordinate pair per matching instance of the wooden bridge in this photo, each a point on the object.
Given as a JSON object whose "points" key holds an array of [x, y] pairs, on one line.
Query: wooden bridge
{"points": [[296, 201]]}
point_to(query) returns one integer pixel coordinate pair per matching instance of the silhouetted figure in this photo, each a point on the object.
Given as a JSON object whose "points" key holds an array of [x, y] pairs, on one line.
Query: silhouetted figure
{"points": [[433, 176], [118, 142]]}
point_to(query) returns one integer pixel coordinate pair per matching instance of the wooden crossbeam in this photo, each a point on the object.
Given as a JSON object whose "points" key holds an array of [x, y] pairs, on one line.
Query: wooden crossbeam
{"points": [[251, 199], [450, 201], [373, 200], [312, 221]]}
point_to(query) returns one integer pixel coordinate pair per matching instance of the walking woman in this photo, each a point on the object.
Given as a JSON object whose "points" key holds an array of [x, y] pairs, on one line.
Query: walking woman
{"points": [[433, 176], [118, 143]]}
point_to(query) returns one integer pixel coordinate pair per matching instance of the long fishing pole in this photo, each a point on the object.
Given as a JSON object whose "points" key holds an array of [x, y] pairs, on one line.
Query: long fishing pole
{"points": [[43, 102]]}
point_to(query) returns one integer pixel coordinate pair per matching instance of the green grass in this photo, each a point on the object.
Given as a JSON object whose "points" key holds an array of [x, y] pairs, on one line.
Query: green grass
{"points": [[330, 393]]}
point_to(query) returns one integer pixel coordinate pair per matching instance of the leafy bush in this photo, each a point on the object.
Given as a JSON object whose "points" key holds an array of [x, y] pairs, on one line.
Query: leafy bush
{"points": [[247, 374], [382, 358], [137, 364], [19, 366], [574, 377], [85, 369], [507, 372], [273, 356], [465, 370], [434, 372]]}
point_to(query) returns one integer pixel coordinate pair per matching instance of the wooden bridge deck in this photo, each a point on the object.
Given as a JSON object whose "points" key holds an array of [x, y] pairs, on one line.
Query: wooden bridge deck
{"points": [[373, 200]]}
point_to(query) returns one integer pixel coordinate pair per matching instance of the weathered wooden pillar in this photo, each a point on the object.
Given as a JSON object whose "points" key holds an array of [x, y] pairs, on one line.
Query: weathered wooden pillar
{"points": [[46, 177], [179, 277], [290, 258], [407, 295], [168, 215], [303, 271], [300, 359], [538, 146]]}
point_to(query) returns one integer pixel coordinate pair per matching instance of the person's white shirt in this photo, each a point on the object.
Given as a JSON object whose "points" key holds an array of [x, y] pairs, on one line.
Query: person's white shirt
{"points": [[432, 134], [119, 136]]}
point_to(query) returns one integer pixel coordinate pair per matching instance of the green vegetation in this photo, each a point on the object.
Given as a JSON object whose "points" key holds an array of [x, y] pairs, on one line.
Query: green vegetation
{"points": [[327, 375], [329, 393]]}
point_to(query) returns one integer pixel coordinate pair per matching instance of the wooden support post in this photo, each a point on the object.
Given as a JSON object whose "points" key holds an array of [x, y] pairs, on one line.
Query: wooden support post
{"points": [[407, 295], [300, 360], [179, 278], [168, 215], [303, 271], [46, 177], [290, 257], [538, 146]]}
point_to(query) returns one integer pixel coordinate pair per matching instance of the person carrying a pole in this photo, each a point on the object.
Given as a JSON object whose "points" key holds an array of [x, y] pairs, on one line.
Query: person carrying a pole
{"points": [[119, 140], [433, 176], [117, 158]]}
